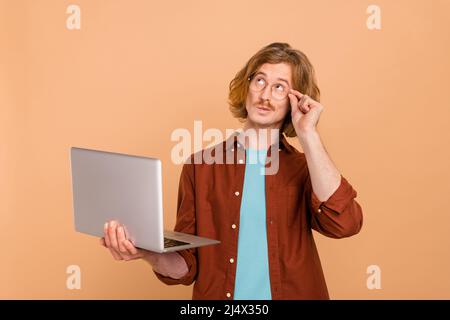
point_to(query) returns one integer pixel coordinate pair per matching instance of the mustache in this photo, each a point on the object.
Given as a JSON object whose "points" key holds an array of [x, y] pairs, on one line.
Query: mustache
{"points": [[265, 104]]}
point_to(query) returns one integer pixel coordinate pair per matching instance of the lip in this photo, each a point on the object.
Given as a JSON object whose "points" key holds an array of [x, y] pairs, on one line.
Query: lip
{"points": [[262, 108]]}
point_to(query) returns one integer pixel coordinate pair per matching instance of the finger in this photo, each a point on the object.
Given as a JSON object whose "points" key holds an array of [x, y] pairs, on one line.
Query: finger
{"points": [[298, 94], [102, 242], [304, 103], [127, 256], [115, 254], [293, 100], [125, 231], [112, 235], [121, 239], [105, 230], [130, 247]]}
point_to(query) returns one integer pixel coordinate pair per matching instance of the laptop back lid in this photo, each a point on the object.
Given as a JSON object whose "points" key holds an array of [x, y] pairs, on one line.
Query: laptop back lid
{"points": [[113, 186]]}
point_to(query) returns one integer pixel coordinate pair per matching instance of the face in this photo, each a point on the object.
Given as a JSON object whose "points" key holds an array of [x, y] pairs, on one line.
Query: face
{"points": [[263, 108]]}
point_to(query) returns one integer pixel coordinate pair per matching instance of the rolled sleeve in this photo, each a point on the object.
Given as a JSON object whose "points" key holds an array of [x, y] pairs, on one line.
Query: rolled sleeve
{"points": [[340, 215], [189, 256]]}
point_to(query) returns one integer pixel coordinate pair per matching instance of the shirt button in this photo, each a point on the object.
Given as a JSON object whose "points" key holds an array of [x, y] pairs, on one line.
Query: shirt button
{"points": [[233, 226], [232, 149], [236, 193], [228, 295], [231, 260], [319, 210], [241, 161]]}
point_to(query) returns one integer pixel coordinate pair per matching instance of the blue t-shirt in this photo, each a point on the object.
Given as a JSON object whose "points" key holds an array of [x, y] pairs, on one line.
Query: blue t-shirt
{"points": [[252, 269]]}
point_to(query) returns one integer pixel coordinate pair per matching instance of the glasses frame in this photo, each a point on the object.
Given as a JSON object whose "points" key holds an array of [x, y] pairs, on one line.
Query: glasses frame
{"points": [[250, 78]]}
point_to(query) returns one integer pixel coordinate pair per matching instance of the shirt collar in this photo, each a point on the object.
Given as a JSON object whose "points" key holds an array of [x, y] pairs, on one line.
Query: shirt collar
{"points": [[232, 142]]}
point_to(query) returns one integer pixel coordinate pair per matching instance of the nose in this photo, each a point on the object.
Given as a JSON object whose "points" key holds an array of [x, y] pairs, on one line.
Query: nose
{"points": [[266, 94]]}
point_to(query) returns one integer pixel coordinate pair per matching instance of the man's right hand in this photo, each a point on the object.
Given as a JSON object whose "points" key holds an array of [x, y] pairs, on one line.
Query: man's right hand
{"points": [[120, 247], [169, 264]]}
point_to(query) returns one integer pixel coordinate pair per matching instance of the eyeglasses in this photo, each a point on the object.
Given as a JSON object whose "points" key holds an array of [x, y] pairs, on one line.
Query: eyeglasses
{"points": [[279, 90]]}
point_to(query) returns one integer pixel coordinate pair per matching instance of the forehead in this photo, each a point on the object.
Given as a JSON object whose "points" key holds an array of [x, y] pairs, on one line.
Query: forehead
{"points": [[276, 70]]}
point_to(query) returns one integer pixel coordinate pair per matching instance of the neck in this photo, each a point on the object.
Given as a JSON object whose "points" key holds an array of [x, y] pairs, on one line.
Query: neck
{"points": [[257, 137]]}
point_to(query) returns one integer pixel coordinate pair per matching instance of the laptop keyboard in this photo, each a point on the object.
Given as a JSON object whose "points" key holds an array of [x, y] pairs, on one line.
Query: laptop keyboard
{"points": [[168, 243]]}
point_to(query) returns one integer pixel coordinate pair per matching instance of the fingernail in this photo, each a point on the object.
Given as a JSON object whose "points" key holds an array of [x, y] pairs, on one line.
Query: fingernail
{"points": [[106, 225]]}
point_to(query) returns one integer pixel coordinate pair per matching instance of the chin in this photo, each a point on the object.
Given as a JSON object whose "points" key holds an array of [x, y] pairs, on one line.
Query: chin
{"points": [[260, 121]]}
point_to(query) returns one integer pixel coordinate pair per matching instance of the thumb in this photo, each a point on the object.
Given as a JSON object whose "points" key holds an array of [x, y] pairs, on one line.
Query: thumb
{"points": [[293, 100], [295, 112]]}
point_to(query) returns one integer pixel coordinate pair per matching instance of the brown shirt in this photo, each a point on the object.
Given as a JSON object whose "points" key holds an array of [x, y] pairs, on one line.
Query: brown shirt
{"points": [[209, 200]]}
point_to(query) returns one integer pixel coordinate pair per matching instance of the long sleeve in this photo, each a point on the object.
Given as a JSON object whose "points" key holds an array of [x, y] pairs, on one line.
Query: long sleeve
{"points": [[340, 215], [185, 223]]}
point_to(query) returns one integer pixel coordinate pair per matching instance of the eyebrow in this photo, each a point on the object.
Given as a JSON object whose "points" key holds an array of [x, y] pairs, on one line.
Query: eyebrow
{"points": [[281, 79]]}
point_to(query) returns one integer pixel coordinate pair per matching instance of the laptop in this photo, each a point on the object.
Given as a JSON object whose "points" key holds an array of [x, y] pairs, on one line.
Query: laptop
{"points": [[114, 186]]}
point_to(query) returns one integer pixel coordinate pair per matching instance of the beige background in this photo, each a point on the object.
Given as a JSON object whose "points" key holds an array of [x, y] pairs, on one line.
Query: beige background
{"points": [[137, 70]]}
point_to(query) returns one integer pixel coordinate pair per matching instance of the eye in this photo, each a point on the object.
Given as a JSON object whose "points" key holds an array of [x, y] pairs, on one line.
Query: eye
{"points": [[260, 81], [279, 87]]}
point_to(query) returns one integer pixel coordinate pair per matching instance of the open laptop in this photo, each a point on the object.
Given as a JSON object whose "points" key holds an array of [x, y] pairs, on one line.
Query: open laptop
{"points": [[113, 186]]}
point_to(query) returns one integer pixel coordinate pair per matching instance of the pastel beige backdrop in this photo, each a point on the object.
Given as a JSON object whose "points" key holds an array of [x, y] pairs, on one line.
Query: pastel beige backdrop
{"points": [[138, 70]]}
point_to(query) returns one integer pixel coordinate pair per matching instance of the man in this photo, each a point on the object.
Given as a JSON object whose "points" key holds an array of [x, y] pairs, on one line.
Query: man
{"points": [[264, 222]]}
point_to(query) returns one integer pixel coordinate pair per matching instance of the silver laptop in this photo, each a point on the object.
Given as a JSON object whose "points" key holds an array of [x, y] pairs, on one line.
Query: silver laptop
{"points": [[113, 186]]}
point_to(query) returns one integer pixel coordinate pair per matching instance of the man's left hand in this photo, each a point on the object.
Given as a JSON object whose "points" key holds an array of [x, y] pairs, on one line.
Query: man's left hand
{"points": [[305, 112]]}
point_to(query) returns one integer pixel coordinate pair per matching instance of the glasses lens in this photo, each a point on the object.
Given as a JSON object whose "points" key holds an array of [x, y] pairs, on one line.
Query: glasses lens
{"points": [[257, 84], [279, 91]]}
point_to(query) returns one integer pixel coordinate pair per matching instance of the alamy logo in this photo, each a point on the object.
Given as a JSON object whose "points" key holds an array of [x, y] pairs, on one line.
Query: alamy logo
{"points": [[374, 279], [374, 20], [74, 279], [73, 21], [214, 152]]}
